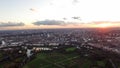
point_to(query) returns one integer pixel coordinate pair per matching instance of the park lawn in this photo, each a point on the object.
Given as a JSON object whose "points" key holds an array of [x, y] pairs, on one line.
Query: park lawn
{"points": [[54, 57], [101, 63], [1, 66], [70, 49], [87, 64], [60, 60], [52, 60], [38, 62]]}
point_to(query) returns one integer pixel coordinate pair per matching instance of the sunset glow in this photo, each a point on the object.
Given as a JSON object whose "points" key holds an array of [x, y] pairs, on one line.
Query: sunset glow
{"points": [[58, 14], [105, 25]]}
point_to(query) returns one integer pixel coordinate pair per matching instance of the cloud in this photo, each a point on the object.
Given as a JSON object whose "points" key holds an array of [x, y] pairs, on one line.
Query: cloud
{"points": [[54, 22], [75, 1], [8, 24], [32, 9], [49, 22], [51, 4], [78, 18], [64, 18]]}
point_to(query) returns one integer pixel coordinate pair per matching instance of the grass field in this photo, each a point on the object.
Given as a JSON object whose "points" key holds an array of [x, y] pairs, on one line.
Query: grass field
{"points": [[0, 66], [70, 49], [69, 59], [53, 60]]}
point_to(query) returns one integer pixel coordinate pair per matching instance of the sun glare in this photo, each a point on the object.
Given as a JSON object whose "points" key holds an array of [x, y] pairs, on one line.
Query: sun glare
{"points": [[104, 25]]}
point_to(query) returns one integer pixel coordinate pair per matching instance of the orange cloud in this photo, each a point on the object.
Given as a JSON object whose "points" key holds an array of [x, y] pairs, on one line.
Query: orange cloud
{"points": [[100, 24]]}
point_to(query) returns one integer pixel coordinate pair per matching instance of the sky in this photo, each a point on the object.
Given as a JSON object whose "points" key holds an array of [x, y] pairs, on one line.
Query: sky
{"points": [[32, 14]]}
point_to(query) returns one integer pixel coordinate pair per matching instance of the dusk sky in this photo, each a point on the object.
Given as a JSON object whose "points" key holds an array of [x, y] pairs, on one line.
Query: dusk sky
{"points": [[30, 14]]}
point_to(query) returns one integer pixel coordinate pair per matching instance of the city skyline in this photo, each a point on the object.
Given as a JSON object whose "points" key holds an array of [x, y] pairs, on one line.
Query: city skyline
{"points": [[32, 14]]}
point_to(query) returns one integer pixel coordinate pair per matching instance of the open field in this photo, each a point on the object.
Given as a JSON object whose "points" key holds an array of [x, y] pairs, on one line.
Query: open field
{"points": [[58, 60]]}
